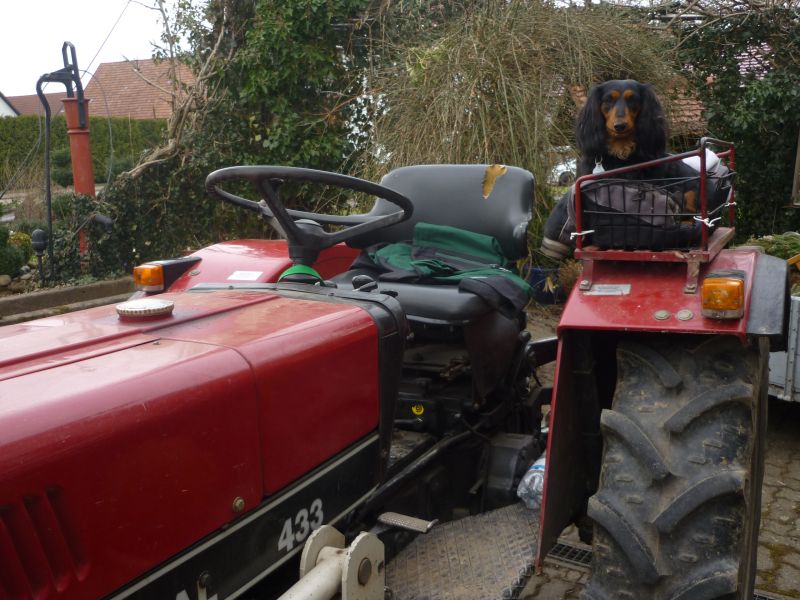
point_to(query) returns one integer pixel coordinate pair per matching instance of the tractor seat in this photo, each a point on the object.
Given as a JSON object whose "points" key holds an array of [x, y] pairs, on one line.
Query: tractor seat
{"points": [[450, 195]]}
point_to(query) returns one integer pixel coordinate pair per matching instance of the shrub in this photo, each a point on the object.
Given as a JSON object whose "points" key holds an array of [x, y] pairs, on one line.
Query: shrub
{"points": [[62, 206], [66, 257], [61, 167], [29, 227], [22, 241], [128, 138], [11, 260], [120, 165], [4, 233]]}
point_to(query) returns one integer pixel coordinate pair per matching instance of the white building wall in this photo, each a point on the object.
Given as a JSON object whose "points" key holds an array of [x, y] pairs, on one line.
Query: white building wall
{"points": [[6, 110]]}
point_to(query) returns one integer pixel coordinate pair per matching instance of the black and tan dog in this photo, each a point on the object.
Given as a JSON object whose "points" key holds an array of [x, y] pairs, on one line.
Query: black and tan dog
{"points": [[621, 124]]}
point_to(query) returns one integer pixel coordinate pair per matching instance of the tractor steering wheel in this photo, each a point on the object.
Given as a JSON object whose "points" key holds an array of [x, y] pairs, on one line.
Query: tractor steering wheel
{"points": [[306, 239]]}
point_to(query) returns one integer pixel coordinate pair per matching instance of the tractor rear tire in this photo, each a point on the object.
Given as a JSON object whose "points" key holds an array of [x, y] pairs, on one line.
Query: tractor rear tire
{"points": [[678, 505]]}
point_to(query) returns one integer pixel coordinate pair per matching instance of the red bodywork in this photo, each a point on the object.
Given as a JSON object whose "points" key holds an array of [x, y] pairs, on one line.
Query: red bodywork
{"points": [[256, 261], [124, 442], [653, 287]]}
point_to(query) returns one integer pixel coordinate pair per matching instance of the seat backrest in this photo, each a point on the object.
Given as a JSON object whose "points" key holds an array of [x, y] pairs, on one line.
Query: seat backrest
{"points": [[453, 195]]}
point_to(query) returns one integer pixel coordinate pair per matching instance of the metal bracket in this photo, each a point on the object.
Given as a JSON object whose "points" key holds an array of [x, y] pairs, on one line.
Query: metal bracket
{"points": [[575, 234], [707, 222], [692, 274], [586, 275]]}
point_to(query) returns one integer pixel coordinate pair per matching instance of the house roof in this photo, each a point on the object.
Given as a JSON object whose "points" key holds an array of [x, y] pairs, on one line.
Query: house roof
{"points": [[31, 105], [687, 116], [138, 89]]}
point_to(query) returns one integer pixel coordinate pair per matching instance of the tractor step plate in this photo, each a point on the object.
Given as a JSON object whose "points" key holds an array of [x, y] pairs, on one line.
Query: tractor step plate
{"points": [[482, 557]]}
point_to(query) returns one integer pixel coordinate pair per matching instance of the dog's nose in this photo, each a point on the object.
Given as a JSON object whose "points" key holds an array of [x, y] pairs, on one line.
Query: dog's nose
{"points": [[620, 127]]}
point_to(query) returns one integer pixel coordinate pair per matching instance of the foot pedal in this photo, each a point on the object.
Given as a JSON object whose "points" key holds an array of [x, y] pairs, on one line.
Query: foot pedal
{"points": [[394, 519]]}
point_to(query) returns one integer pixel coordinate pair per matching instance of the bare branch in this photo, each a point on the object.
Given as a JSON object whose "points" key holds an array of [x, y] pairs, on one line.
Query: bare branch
{"points": [[148, 81], [187, 105]]}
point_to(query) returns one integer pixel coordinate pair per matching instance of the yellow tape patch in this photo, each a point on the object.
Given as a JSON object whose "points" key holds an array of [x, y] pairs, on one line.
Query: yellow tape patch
{"points": [[490, 176]]}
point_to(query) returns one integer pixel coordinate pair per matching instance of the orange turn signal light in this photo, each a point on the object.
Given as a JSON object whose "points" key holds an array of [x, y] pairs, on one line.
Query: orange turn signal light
{"points": [[722, 295], [149, 278]]}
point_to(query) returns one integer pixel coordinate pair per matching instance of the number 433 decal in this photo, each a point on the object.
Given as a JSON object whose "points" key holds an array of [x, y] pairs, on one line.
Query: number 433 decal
{"points": [[296, 530]]}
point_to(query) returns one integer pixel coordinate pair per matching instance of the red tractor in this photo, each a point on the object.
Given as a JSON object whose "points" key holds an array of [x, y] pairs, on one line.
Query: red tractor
{"points": [[194, 442]]}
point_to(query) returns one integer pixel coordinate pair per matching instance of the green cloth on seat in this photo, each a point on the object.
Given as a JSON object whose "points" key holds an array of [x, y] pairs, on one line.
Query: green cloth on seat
{"points": [[443, 255]]}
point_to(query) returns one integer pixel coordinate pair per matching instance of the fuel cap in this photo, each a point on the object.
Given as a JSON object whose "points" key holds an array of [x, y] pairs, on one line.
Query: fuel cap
{"points": [[145, 307]]}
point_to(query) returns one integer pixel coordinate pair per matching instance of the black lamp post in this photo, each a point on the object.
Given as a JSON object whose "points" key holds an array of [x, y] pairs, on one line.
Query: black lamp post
{"points": [[39, 243]]}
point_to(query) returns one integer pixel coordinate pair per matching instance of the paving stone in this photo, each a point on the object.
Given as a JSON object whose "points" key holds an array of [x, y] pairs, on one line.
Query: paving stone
{"points": [[772, 471], [771, 537], [765, 562], [787, 493], [572, 575], [792, 558], [761, 581], [791, 482], [768, 494], [549, 586], [774, 460], [787, 581]]}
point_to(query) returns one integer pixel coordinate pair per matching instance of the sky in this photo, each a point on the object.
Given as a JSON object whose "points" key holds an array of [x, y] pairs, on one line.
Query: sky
{"points": [[33, 31]]}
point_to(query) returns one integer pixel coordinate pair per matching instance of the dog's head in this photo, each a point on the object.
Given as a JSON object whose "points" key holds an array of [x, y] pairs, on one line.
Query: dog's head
{"points": [[621, 117]]}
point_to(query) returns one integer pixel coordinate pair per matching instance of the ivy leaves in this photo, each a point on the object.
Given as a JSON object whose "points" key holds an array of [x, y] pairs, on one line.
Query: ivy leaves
{"points": [[281, 93], [293, 79]]}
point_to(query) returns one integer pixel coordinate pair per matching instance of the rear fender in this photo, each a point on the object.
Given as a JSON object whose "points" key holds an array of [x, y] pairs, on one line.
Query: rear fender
{"points": [[574, 415], [635, 293], [769, 302]]}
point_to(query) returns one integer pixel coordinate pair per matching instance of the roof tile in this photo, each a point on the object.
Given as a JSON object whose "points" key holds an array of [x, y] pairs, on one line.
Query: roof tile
{"points": [[31, 105], [138, 89]]}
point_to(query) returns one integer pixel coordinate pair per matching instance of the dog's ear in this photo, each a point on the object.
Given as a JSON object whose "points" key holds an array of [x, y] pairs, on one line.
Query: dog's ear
{"points": [[590, 127], [651, 125]]}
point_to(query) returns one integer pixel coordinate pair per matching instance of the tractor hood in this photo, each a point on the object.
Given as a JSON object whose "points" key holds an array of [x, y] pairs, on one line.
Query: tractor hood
{"points": [[123, 442], [47, 343]]}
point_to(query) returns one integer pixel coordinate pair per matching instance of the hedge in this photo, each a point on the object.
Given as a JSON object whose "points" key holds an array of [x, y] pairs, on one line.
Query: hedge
{"points": [[131, 137]]}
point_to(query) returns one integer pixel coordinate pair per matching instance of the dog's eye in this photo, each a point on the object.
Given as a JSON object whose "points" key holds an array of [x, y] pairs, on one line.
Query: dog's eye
{"points": [[631, 99]]}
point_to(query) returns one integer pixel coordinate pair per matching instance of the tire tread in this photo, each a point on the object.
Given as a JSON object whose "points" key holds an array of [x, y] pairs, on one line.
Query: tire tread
{"points": [[679, 438]]}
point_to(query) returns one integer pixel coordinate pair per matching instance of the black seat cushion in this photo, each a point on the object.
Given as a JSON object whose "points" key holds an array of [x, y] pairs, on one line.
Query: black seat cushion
{"points": [[432, 304]]}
